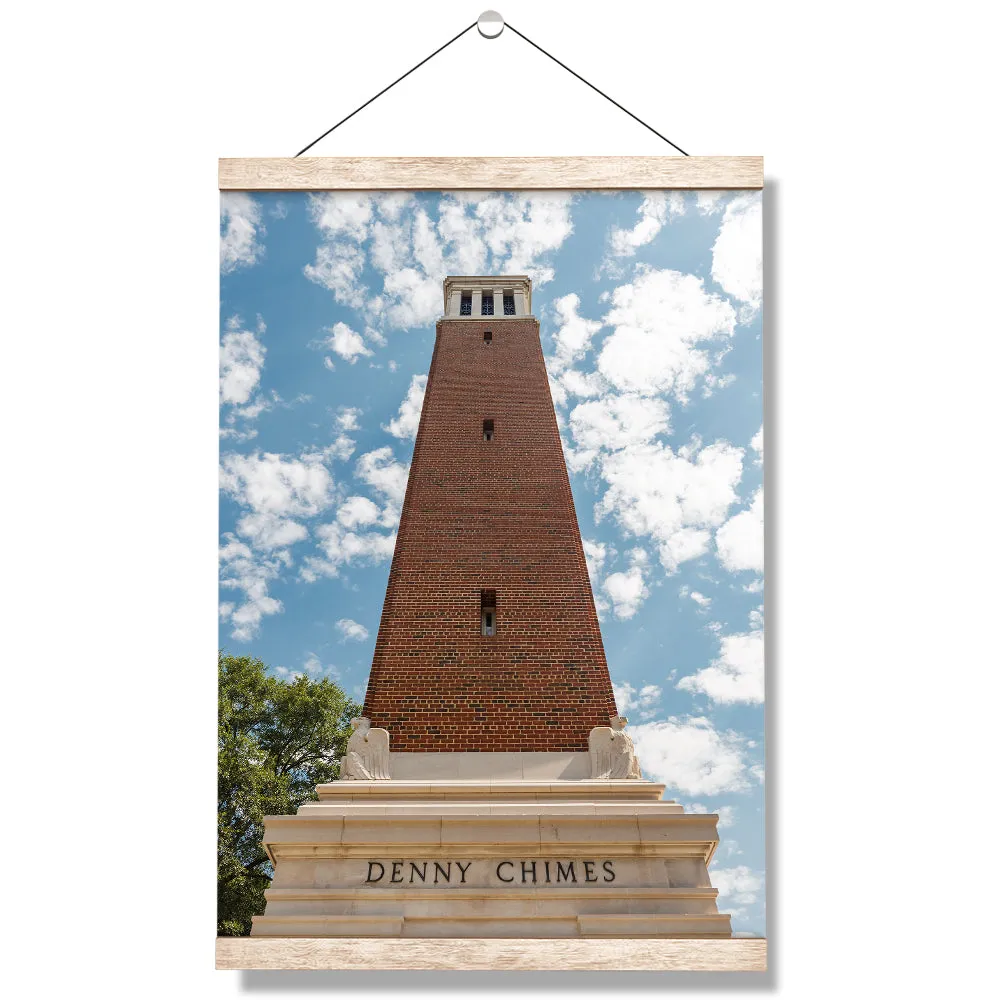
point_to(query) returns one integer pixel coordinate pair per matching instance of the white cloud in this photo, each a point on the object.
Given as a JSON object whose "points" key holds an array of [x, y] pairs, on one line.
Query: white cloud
{"points": [[683, 545], [627, 592], [269, 531], [347, 343], [692, 756], [404, 426], [357, 511], [241, 225], [242, 569], [232, 434], [710, 202], [580, 384], [668, 332], [341, 213], [737, 256], [276, 490], [312, 667], [615, 422], [414, 296], [700, 599], [573, 334], [739, 885], [412, 252], [273, 484], [347, 418], [638, 556], [520, 228], [241, 358], [596, 553], [390, 245], [342, 448], [663, 322], [740, 541], [338, 268], [727, 816], [315, 668], [339, 542], [343, 547], [643, 701], [713, 382], [255, 408], [351, 630], [559, 396], [657, 208], [380, 470], [672, 497], [737, 673]]}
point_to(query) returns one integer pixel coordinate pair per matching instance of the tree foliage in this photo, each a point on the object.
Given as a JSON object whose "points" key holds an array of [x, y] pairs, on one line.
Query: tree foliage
{"points": [[277, 741]]}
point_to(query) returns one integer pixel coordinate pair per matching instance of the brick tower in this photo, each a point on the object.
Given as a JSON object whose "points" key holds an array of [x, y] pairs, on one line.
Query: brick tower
{"points": [[489, 619], [490, 789]]}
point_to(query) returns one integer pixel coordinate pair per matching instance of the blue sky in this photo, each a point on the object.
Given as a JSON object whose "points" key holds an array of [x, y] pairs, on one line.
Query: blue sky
{"points": [[650, 311]]}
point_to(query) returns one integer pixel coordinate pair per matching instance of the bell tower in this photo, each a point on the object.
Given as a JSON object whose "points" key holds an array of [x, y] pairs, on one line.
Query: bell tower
{"points": [[489, 638], [490, 790]]}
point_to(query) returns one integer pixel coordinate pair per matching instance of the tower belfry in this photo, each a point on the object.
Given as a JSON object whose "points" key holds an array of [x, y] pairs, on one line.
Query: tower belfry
{"points": [[490, 788]]}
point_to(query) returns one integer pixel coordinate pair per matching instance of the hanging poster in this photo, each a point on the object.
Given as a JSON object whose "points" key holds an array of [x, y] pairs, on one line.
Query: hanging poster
{"points": [[491, 566]]}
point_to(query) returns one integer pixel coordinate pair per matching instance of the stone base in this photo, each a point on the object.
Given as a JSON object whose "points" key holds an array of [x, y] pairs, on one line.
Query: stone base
{"points": [[509, 766], [491, 859]]}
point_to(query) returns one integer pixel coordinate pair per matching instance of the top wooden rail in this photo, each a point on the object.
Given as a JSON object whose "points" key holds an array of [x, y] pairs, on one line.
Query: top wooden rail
{"points": [[491, 173]]}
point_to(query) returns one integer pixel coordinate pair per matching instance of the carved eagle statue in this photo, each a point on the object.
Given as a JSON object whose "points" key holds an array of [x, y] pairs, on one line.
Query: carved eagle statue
{"points": [[612, 753], [367, 757]]}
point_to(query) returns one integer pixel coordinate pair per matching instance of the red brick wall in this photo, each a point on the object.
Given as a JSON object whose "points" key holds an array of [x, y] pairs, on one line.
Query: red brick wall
{"points": [[492, 515]]}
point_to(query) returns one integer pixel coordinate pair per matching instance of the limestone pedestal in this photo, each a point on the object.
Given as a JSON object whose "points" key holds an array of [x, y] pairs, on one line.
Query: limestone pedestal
{"points": [[482, 856]]}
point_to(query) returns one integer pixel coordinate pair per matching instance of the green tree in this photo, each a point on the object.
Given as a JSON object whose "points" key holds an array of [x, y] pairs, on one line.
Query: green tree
{"points": [[277, 741]]}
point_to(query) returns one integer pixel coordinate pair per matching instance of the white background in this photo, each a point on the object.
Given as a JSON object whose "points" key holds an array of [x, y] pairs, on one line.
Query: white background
{"points": [[877, 126]]}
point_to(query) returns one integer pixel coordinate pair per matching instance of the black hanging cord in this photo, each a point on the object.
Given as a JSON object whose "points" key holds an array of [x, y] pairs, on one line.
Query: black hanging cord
{"points": [[507, 24], [391, 85], [519, 35]]}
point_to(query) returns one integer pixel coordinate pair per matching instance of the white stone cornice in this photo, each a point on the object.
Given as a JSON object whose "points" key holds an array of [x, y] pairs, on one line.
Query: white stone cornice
{"points": [[519, 285]]}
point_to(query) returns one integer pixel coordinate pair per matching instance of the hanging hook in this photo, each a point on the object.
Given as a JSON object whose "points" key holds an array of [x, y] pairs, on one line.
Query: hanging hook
{"points": [[490, 24]]}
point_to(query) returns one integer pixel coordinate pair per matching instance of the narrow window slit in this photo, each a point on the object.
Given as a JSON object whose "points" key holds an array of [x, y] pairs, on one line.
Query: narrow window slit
{"points": [[488, 336], [488, 611], [487, 430]]}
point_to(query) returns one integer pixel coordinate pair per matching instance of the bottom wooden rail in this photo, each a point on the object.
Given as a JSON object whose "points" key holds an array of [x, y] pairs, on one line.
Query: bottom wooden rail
{"points": [[692, 955]]}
